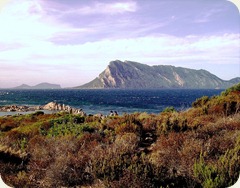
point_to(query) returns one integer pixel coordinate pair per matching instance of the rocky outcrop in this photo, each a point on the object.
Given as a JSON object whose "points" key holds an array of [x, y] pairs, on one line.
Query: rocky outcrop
{"points": [[134, 75], [52, 106], [55, 106], [62, 107], [15, 108]]}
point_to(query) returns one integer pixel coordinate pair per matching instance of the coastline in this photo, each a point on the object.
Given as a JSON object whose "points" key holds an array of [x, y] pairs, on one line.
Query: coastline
{"points": [[48, 108]]}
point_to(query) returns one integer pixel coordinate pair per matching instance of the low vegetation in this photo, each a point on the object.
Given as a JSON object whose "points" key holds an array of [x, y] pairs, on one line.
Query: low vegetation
{"points": [[199, 147]]}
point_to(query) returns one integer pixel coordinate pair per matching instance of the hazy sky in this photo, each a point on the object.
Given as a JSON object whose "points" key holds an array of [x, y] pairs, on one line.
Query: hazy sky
{"points": [[69, 42]]}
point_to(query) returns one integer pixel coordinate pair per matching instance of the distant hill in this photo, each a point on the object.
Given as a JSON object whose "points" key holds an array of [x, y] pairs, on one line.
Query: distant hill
{"points": [[135, 75], [39, 86]]}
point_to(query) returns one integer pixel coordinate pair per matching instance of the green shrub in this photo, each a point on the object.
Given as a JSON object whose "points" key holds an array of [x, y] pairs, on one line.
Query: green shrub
{"points": [[169, 109], [38, 113], [200, 102], [68, 129], [23, 144], [207, 174], [224, 173], [231, 89]]}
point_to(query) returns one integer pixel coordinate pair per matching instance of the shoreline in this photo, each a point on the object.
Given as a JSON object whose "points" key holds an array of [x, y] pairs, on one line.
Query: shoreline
{"points": [[48, 108]]}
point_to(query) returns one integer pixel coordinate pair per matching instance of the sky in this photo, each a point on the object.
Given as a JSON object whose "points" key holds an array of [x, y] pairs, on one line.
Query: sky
{"points": [[70, 42]]}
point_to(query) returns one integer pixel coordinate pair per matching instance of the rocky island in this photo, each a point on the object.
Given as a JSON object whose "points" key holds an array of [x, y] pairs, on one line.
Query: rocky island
{"points": [[133, 75], [43, 85]]}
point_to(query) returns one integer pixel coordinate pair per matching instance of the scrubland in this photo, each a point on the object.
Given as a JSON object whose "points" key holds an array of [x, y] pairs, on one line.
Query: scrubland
{"points": [[199, 147]]}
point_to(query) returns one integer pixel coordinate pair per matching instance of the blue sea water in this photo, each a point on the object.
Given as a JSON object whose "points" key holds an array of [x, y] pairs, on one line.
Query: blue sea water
{"points": [[103, 101]]}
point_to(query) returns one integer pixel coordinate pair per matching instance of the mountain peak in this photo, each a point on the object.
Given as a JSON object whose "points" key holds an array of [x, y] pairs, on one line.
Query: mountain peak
{"points": [[115, 62]]}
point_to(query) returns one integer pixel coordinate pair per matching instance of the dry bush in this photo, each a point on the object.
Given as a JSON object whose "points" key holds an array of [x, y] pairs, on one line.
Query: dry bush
{"points": [[191, 149], [126, 128], [166, 151], [69, 169], [61, 161], [127, 123], [109, 161], [131, 180], [173, 157], [148, 121], [6, 124], [150, 124], [126, 143], [42, 155]]}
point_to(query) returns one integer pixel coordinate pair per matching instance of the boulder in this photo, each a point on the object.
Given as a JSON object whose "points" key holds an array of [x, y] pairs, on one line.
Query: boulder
{"points": [[63, 107], [50, 106]]}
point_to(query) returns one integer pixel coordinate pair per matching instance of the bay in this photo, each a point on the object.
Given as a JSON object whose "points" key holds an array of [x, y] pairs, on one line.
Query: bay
{"points": [[106, 100]]}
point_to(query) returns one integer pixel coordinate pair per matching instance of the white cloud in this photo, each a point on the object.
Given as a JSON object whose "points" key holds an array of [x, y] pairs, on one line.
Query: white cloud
{"points": [[85, 61], [26, 22], [107, 8], [96, 8]]}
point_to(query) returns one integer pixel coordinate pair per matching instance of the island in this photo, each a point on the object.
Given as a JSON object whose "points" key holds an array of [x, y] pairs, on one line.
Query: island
{"points": [[134, 75]]}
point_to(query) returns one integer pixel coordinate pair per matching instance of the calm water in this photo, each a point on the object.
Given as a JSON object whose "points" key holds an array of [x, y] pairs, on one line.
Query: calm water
{"points": [[103, 101]]}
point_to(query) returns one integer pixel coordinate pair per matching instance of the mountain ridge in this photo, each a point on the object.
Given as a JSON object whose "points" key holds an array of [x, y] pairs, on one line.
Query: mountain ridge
{"points": [[43, 85], [135, 75]]}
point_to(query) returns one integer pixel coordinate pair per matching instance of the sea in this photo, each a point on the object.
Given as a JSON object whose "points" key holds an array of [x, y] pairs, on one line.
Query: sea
{"points": [[94, 101]]}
